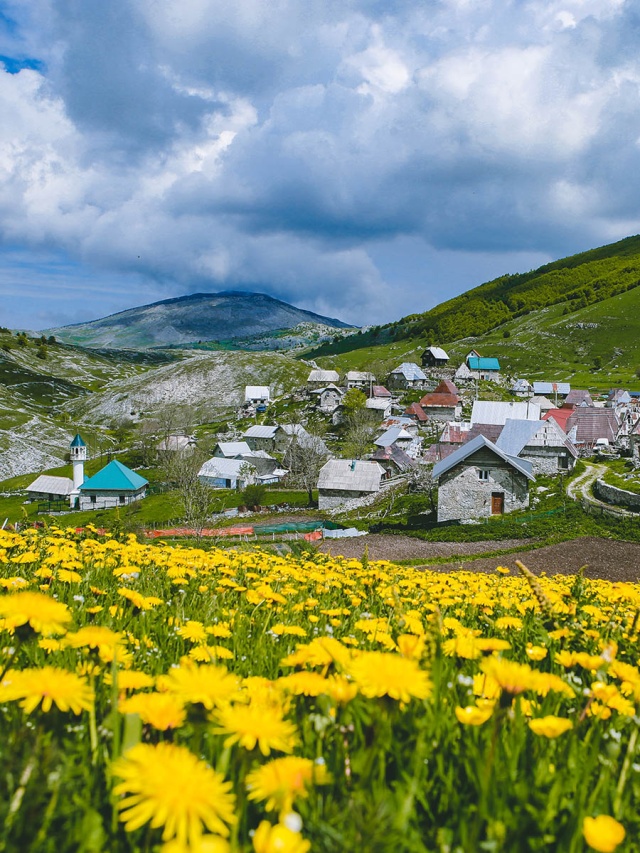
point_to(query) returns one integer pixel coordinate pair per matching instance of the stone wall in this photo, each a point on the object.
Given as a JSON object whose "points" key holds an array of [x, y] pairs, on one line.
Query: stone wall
{"points": [[462, 495], [618, 497], [332, 498]]}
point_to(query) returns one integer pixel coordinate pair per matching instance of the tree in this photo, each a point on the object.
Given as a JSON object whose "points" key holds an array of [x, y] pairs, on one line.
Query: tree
{"points": [[353, 401], [253, 494], [304, 458], [421, 479], [181, 470]]}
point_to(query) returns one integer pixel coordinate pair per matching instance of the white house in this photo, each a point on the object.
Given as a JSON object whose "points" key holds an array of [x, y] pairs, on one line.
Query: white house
{"points": [[222, 473], [46, 487], [257, 395]]}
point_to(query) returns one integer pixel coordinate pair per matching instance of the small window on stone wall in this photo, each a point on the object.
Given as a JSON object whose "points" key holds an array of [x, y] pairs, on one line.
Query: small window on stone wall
{"points": [[483, 474]]}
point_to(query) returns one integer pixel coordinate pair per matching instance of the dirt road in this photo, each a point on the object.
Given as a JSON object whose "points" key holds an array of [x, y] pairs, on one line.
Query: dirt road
{"points": [[581, 486]]}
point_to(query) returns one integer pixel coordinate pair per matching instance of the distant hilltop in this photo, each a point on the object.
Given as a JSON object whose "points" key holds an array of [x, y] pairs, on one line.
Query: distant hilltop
{"points": [[199, 317]]}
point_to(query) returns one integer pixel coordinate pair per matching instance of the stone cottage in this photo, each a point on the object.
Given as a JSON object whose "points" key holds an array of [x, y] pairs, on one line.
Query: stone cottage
{"points": [[542, 443], [479, 480]]}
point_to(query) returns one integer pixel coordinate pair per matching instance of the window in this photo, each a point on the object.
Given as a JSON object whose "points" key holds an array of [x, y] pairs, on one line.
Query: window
{"points": [[563, 463], [93, 499], [121, 498], [483, 474]]}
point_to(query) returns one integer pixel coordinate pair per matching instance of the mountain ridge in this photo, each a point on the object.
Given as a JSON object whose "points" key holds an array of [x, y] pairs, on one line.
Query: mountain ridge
{"points": [[198, 317]]}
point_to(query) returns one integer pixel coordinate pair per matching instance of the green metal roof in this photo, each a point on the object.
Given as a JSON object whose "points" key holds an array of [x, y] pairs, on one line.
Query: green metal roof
{"points": [[483, 363], [77, 441], [114, 477]]}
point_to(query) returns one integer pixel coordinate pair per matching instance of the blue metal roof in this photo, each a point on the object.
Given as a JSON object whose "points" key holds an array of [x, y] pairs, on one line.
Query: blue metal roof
{"points": [[479, 363], [516, 434], [77, 441], [114, 477]]}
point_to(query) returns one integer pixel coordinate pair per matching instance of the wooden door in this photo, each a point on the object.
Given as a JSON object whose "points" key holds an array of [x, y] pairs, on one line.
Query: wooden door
{"points": [[497, 503]]}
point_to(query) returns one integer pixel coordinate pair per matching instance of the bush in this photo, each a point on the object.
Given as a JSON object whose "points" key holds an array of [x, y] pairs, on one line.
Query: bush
{"points": [[254, 494]]}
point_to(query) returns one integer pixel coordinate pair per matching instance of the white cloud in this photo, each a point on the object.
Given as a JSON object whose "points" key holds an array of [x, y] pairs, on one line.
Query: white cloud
{"points": [[236, 143]]}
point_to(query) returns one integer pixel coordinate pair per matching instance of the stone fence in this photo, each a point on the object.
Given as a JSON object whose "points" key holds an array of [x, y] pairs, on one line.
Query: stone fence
{"points": [[618, 497]]}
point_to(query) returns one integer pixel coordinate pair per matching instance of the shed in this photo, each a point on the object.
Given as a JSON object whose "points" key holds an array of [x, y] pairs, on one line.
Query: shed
{"points": [[114, 485], [341, 480], [479, 480]]}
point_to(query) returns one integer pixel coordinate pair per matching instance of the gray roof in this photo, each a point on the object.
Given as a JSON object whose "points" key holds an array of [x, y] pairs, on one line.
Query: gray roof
{"points": [[410, 371], [260, 432], [50, 485], [492, 412], [359, 376], [551, 388], [318, 375], [517, 434], [471, 447], [229, 449], [225, 469], [393, 434], [256, 392], [521, 385], [378, 403], [350, 475], [437, 352]]}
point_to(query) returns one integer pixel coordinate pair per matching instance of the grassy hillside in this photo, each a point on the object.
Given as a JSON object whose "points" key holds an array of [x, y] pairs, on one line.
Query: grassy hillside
{"points": [[591, 340], [572, 283], [596, 347]]}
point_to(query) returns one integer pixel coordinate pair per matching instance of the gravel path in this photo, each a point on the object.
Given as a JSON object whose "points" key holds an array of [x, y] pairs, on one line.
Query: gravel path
{"points": [[604, 558]]}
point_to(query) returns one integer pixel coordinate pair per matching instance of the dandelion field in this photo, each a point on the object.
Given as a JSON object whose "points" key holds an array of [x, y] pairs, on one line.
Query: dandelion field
{"points": [[158, 698]]}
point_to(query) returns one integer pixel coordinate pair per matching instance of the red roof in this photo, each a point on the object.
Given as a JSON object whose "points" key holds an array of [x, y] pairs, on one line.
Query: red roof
{"points": [[445, 395], [380, 391], [454, 434], [490, 431], [592, 424], [435, 452], [446, 387], [416, 411], [560, 416]]}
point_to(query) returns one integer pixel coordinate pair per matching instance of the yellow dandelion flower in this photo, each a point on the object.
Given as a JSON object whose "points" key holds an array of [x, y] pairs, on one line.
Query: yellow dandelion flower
{"points": [[194, 632], [603, 833], [472, 715], [292, 630], [383, 674], [550, 727], [278, 839], [167, 786], [210, 654], [93, 636], [68, 576], [48, 685], [282, 780], [43, 614], [205, 685], [221, 631], [304, 683], [261, 725], [14, 582], [205, 844], [535, 652], [162, 711], [130, 679]]}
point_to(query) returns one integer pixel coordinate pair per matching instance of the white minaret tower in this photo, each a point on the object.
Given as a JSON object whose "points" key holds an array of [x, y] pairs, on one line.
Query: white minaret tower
{"points": [[78, 454]]}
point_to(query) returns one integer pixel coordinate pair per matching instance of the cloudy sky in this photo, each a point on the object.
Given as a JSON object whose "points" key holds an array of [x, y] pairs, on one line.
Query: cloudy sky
{"points": [[361, 158]]}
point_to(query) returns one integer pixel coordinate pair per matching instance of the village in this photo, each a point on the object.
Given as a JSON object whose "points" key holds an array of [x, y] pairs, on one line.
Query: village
{"points": [[471, 435]]}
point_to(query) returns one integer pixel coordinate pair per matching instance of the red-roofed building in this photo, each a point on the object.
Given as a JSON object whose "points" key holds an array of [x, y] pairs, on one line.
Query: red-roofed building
{"points": [[443, 404], [416, 413], [560, 416]]}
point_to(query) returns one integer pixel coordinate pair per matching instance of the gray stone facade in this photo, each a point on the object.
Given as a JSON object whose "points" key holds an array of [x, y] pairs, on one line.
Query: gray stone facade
{"points": [[462, 494], [548, 461], [332, 498]]}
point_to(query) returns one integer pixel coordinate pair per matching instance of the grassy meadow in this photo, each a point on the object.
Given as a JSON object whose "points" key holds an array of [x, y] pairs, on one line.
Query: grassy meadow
{"points": [[171, 699]]}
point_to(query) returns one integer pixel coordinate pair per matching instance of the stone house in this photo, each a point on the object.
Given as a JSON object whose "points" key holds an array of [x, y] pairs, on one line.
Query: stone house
{"points": [[328, 398], [263, 438], [342, 480], [114, 485], [407, 375], [542, 443], [380, 406], [230, 449], [479, 480]]}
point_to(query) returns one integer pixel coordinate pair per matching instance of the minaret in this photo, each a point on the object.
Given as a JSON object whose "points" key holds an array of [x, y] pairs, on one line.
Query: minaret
{"points": [[78, 454]]}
